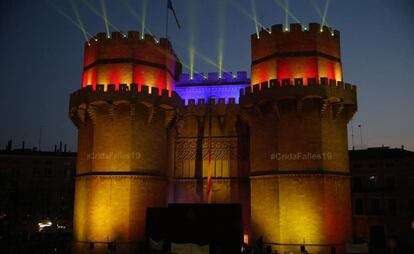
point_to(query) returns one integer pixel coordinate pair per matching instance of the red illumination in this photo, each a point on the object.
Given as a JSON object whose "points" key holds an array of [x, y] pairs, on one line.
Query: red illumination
{"points": [[126, 74], [337, 211], [89, 77], [296, 67], [264, 71], [291, 68], [129, 60], [329, 69], [149, 76], [296, 54]]}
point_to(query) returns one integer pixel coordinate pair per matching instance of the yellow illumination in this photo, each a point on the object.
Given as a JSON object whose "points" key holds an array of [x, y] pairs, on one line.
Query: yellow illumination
{"points": [[246, 238]]}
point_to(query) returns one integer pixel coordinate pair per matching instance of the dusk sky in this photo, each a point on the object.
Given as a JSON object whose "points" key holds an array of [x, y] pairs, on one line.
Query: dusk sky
{"points": [[41, 55]]}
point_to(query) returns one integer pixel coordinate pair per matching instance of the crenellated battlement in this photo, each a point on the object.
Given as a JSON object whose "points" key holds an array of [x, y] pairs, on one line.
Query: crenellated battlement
{"points": [[280, 89], [132, 37], [149, 135], [217, 107], [298, 52], [313, 29], [121, 50], [212, 101], [279, 48], [211, 85], [131, 92], [213, 78]]}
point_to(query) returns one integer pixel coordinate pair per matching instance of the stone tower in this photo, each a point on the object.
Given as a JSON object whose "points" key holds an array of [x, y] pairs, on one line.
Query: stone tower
{"points": [[280, 149], [298, 109], [123, 132]]}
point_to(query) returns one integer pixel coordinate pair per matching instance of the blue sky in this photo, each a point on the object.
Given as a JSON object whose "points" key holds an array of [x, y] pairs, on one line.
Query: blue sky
{"points": [[42, 53]]}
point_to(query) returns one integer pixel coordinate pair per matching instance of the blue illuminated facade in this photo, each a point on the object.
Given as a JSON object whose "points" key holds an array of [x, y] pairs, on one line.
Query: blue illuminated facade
{"points": [[212, 86]]}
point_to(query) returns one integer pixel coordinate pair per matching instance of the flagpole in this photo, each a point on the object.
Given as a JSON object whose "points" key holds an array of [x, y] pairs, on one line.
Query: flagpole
{"points": [[209, 184], [166, 21]]}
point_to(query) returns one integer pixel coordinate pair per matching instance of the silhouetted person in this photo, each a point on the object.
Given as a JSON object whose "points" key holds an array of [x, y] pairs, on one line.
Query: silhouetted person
{"points": [[268, 249], [258, 248]]}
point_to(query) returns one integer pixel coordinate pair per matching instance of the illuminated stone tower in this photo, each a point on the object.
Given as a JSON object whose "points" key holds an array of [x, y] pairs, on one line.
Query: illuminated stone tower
{"points": [[280, 149], [298, 109], [123, 131]]}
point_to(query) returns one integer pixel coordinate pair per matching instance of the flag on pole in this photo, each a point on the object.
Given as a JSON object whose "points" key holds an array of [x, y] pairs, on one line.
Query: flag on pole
{"points": [[170, 6]]}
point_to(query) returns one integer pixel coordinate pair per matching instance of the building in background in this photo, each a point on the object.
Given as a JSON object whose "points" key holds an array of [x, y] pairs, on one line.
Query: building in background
{"points": [[383, 197], [210, 85], [36, 197]]}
